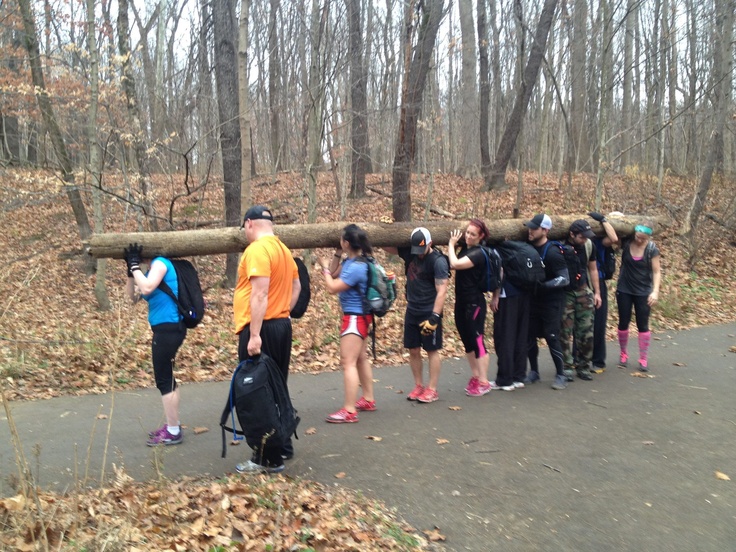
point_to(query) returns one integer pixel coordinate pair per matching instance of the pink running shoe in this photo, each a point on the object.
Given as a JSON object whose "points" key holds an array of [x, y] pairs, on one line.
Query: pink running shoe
{"points": [[472, 386], [623, 359], [342, 416], [366, 405], [429, 395], [414, 395]]}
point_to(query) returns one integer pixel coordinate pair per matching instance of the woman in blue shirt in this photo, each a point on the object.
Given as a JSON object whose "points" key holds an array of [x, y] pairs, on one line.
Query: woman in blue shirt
{"points": [[349, 280], [168, 335]]}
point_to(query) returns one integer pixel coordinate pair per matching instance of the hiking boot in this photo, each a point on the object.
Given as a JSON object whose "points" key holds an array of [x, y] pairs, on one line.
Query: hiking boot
{"points": [[163, 437], [497, 387], [480, 389], [472, 386], [532, 377], [414, 395], [623, 360], [560, 383], [598, 369], [584, 374], [569, 374], [366, 405], [519, 384], [342, 416], [429, 395], [643, 366], [251, 467]]}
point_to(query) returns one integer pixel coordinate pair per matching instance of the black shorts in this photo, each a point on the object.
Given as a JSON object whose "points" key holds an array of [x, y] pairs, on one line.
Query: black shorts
{"points": [[413, 337]]}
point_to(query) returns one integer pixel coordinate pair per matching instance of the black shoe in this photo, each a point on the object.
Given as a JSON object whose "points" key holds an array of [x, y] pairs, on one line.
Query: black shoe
{"points": [[287, 456], [584, 374]]}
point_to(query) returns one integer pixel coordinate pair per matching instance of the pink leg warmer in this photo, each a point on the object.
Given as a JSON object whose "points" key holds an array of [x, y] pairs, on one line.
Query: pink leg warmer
{"points": [[644, 338]]}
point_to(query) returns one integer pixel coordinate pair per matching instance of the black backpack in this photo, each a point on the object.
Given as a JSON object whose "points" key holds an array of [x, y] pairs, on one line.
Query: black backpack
{"points": [[305, 295], [522, 265], [260, 399], [190, 300], [572, 260], [607, 264], [491, 280]]}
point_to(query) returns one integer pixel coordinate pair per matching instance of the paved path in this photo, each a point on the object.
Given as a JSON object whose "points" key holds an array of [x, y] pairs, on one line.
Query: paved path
{"points": [[619, 463]]}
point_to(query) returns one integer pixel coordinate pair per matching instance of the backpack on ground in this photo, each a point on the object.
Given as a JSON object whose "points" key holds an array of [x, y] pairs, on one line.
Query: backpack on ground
{"points": [[380, 291], [491, 280], [522, 265], [190, 300], [260, 399], [305, 295]]}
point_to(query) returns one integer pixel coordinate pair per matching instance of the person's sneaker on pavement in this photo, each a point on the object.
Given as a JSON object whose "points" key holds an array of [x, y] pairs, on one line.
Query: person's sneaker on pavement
{"points": [[643, 366], [569, 374], [156, 431], [479, 390], [429, 395], [414, 395], [164, 437], [519, 384], [472, 386], [584, 374], [497, 387], [366, 405], [342, 416], [560, 382], [251, 467], [598, 369], [623, 360], [532, 377]]}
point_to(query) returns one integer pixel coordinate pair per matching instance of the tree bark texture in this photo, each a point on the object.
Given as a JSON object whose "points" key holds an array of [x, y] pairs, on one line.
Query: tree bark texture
{"points": [[429, 16], [513, 127], [185, 243], [360, 159], [485, 87]]}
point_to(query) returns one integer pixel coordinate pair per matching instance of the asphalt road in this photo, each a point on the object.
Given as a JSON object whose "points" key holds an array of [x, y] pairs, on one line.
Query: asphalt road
{"points": [[619, 463]]}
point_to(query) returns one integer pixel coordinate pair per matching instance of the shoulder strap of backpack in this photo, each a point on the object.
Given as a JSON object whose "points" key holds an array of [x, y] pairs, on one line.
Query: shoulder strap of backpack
{"points": [[163, 286], [546, 247]]}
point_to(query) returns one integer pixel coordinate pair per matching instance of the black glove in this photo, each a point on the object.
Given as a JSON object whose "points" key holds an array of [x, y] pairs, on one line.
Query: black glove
{"points": [[429, 326], [132, 255], [597, 216]]}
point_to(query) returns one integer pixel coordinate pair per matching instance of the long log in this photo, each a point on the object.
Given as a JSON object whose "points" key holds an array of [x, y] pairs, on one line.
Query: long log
{"points": [[187, 243]]}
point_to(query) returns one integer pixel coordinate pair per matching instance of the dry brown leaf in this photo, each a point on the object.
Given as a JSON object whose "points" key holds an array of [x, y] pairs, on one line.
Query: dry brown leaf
{"points": [[102, 416], [234, 443], [434, 535], [455, 408], [732, 348], [442, 441], [641, 375], [679, 364], [310, 431], [340, 475], [198, 430], [374, 438], [696, 412], [647, 442], [722, 476]]}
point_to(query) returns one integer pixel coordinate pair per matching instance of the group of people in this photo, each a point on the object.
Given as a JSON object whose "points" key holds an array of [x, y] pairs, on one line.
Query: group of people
{"points": [[570, 317]]}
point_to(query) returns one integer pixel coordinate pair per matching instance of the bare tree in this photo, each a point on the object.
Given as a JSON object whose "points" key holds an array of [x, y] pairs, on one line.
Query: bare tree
{"points": [[246, 195], [226, 80], [497, 175], [427, 15], [361, 161], [485, 86], [52, 126]]}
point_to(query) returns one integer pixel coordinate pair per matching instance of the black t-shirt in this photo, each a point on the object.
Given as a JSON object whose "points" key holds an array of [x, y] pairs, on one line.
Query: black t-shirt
{"points": [[554, 266], [421, 274], [467, 282], [636, 276]]}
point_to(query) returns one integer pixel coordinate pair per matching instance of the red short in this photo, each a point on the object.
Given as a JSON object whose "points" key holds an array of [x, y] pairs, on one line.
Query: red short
{"points": [[357, 324]]}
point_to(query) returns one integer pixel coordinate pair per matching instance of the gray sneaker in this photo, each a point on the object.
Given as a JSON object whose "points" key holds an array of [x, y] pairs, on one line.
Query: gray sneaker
{"points": [[569, 374], [584, 374], [251, 467], [560, 383]]}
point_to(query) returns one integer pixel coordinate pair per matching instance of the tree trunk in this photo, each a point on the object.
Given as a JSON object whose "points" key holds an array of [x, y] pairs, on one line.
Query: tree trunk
{"points": [[513, 127], [246, 196], [485, 88], [417, 66], [579, 153], [274, 86], [626, 130], [185, 243], [360, 161], [468, 144], [95, 157], [49, 119], [605, 90], [226, 48], [134, 116]]}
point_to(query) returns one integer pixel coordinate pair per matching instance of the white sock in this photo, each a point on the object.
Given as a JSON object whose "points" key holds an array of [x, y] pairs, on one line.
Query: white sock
{"points": [[173, 430]]}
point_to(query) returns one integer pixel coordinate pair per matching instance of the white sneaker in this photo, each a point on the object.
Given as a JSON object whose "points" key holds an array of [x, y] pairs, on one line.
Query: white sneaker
{"points": [[497, 387], [519, 385]]}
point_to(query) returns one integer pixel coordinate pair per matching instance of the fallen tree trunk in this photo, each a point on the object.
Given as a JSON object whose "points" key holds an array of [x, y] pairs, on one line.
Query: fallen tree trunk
{"points": [[187, 243]]}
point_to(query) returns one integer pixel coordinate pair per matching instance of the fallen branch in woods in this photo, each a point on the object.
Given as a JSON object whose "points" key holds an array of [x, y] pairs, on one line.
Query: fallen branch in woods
{"points": [[187, 243]]}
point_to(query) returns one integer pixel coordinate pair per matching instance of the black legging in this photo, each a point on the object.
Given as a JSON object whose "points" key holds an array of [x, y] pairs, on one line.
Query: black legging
{"points": [[625, 302], [167, 338]]}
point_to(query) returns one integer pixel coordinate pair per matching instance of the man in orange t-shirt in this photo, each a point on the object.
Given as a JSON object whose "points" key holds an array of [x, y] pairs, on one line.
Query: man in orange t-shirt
{"points": [[267, 289]]}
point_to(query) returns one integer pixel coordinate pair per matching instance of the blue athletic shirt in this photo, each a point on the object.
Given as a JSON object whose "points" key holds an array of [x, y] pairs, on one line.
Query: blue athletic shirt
{"points": [[161, 308], [353, 272]]}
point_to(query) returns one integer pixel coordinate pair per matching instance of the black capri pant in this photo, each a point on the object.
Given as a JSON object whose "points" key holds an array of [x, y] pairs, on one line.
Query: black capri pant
{"points": [[167, 338], [470, 321], [625, 302]]}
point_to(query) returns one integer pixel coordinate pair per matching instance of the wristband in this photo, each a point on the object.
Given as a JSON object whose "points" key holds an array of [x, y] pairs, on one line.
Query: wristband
{"points": [[437, 314]]}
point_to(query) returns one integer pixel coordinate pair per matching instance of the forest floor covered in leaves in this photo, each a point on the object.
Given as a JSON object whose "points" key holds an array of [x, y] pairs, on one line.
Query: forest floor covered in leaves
{"points": [[55, 341]]}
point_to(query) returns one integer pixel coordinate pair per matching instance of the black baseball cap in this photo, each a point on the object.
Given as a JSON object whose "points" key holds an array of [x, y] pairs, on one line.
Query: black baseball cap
{"points": [[539, 221], [581, 226], [258, 212]]}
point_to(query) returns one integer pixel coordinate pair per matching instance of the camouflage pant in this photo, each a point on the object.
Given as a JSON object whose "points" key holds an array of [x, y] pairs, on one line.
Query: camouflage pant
{"points": [[577, 323]]}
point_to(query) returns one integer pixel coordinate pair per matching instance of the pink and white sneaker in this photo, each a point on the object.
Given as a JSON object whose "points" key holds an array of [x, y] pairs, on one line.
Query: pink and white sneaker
{"points": [[472, 386]]}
